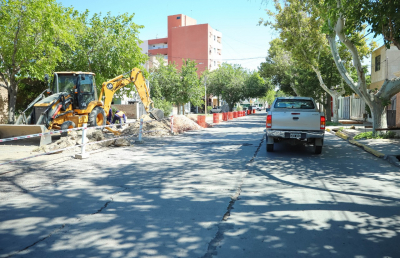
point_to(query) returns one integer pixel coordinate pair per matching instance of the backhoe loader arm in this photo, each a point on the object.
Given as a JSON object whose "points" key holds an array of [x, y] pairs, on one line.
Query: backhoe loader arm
{"points": [[136, 77]]}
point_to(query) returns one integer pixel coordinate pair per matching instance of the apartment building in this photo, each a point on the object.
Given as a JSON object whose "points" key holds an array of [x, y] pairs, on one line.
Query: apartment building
{"points": [[186, 40], [385, 65]]}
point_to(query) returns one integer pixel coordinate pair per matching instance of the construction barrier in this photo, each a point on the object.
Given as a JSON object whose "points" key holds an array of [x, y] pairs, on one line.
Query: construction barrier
{"points": [[239, 113], [201, 120], [254, 111], [230, 114], [216, 118], [224, 116], [248, 112], [235, 114]]}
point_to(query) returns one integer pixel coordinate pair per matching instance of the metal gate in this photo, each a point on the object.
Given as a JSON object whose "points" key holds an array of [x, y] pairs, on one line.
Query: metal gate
{"points": [[391, 118], [346, 108]]}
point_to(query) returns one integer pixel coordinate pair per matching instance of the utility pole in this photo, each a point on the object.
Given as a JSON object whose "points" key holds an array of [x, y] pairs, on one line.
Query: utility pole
{"points": [[205, 95]]}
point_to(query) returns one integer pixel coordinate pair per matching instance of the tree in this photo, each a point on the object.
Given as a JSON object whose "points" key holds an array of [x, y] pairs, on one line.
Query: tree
{"points": [[177, 86], [29, 31], [255, 86], [300, 24], [339, 23], [107, 46], [229, 81]]}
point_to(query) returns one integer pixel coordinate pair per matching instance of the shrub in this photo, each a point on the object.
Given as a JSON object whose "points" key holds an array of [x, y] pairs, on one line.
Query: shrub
{"points": [[370, 135]]}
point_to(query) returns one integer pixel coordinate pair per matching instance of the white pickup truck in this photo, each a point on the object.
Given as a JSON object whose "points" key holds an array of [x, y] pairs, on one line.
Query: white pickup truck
{"points": [[295, 119]]}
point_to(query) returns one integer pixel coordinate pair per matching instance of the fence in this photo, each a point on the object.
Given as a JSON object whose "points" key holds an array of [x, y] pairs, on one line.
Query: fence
{"points": [[83, 153]]}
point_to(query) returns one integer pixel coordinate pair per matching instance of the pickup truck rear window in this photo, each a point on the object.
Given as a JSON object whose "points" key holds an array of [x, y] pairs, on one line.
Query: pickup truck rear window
{"points": [[294, 103]]}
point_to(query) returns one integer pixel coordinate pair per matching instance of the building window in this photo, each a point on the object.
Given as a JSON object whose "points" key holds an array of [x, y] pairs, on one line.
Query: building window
{"points": [[178, 17], [215, 64], [214, 38], [377, 63]]}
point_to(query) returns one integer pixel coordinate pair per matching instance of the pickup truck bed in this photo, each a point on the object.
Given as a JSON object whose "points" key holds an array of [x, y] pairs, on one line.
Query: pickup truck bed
{"points": [[295, 119]]}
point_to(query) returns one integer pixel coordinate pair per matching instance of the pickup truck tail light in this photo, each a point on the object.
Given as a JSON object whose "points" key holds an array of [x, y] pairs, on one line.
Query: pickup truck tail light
{"points": [[269, 121], [322, 123]]}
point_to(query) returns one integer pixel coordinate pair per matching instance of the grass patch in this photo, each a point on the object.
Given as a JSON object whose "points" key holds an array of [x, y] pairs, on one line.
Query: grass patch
{"points": [[370, 135], [327, 123]]}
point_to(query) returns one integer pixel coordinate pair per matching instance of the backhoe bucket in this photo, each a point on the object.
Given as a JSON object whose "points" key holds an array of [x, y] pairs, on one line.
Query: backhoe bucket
{"points": [[156, 114], [25, 132]]}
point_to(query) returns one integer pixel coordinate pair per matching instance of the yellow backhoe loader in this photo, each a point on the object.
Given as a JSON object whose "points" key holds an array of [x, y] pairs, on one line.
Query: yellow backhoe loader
{"points": [[73, 102]]}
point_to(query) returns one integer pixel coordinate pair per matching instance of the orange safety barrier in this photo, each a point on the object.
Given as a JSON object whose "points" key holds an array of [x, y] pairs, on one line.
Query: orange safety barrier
{"points": [[235, 114], [248, 112], [239, 113], [224, 117], [201, 120], [254, 111], [230, 115], [216, 118]]}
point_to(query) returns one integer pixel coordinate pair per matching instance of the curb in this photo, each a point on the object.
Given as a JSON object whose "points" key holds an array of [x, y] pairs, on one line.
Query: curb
{"points": [[362, 146]]}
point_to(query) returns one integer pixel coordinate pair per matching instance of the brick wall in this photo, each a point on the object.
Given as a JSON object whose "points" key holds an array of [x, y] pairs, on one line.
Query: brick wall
{"points": [[3, 105], [130, 110]]}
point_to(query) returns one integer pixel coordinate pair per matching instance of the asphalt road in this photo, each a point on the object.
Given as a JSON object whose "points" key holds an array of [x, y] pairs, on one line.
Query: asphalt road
{"points": [[209, 193]]}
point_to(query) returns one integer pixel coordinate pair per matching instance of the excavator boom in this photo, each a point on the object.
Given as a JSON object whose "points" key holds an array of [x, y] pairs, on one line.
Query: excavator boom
{"points": [[136, 77]]}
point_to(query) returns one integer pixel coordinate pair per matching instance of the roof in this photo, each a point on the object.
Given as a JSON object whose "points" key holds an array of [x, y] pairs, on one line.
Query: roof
{"points": [[71, 72]]}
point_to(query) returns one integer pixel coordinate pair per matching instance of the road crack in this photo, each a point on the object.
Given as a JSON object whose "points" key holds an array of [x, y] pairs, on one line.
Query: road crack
{"points": [[222, 225]]}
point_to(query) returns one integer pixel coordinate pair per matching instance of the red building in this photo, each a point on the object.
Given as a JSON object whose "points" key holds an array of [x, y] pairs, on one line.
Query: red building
{"points": [[187, 40]]}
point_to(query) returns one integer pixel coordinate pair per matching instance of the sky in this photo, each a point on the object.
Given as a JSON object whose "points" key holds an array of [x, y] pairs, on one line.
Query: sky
{"points": [[243, 41]]}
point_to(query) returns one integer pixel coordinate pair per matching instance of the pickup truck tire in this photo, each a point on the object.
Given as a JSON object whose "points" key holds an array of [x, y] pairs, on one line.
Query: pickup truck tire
{"points": [[318, 149], [270, 147]]}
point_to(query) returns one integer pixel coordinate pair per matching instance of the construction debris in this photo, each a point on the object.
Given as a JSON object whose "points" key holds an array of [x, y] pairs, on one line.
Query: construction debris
{"points": [[151, 128]]}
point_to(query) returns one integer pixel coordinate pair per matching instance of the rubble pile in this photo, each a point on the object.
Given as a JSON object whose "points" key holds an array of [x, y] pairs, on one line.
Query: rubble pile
{"points": [[183, 123], [151, 128]]}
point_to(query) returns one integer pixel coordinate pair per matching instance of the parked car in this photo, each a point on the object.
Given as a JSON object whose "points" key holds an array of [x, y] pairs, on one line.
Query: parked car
{"points": [[216, 110], [267, 110], [258, 108]]}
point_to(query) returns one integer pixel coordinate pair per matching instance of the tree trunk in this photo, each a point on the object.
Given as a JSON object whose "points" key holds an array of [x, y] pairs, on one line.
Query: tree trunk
{"points": [[328, 108], [183, 109], [379, 116], [12, 100]]}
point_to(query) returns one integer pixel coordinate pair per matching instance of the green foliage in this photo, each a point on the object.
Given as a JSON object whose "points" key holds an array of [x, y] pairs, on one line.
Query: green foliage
{"points": [[239, 108], [228, 81], [106, 45], [31, 33], [209, 108], [234, 83], [178, 87], [164, 105], [381, 16], [328, 123], [371, 135]]}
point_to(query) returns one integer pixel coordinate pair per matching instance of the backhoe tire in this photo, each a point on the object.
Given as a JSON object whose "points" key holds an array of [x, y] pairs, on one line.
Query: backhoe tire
{"points": [[67, 125], [270, 147], [97, 117]]}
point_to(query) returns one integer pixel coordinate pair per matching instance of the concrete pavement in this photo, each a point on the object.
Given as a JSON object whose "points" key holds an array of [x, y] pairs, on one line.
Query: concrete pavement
{"points": [[387, 149]]}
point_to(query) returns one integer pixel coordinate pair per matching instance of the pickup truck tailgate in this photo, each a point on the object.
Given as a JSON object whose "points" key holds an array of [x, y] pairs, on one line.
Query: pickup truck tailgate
{"points": [[295, 119]]}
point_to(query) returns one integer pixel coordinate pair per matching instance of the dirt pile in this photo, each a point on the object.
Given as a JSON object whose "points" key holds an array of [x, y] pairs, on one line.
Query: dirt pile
{"points": [[151, 127], [183, 123], [96, 138]]}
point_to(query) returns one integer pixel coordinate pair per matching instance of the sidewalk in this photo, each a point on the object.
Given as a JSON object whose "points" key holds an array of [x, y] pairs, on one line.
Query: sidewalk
{"points": [[387, 149]]}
